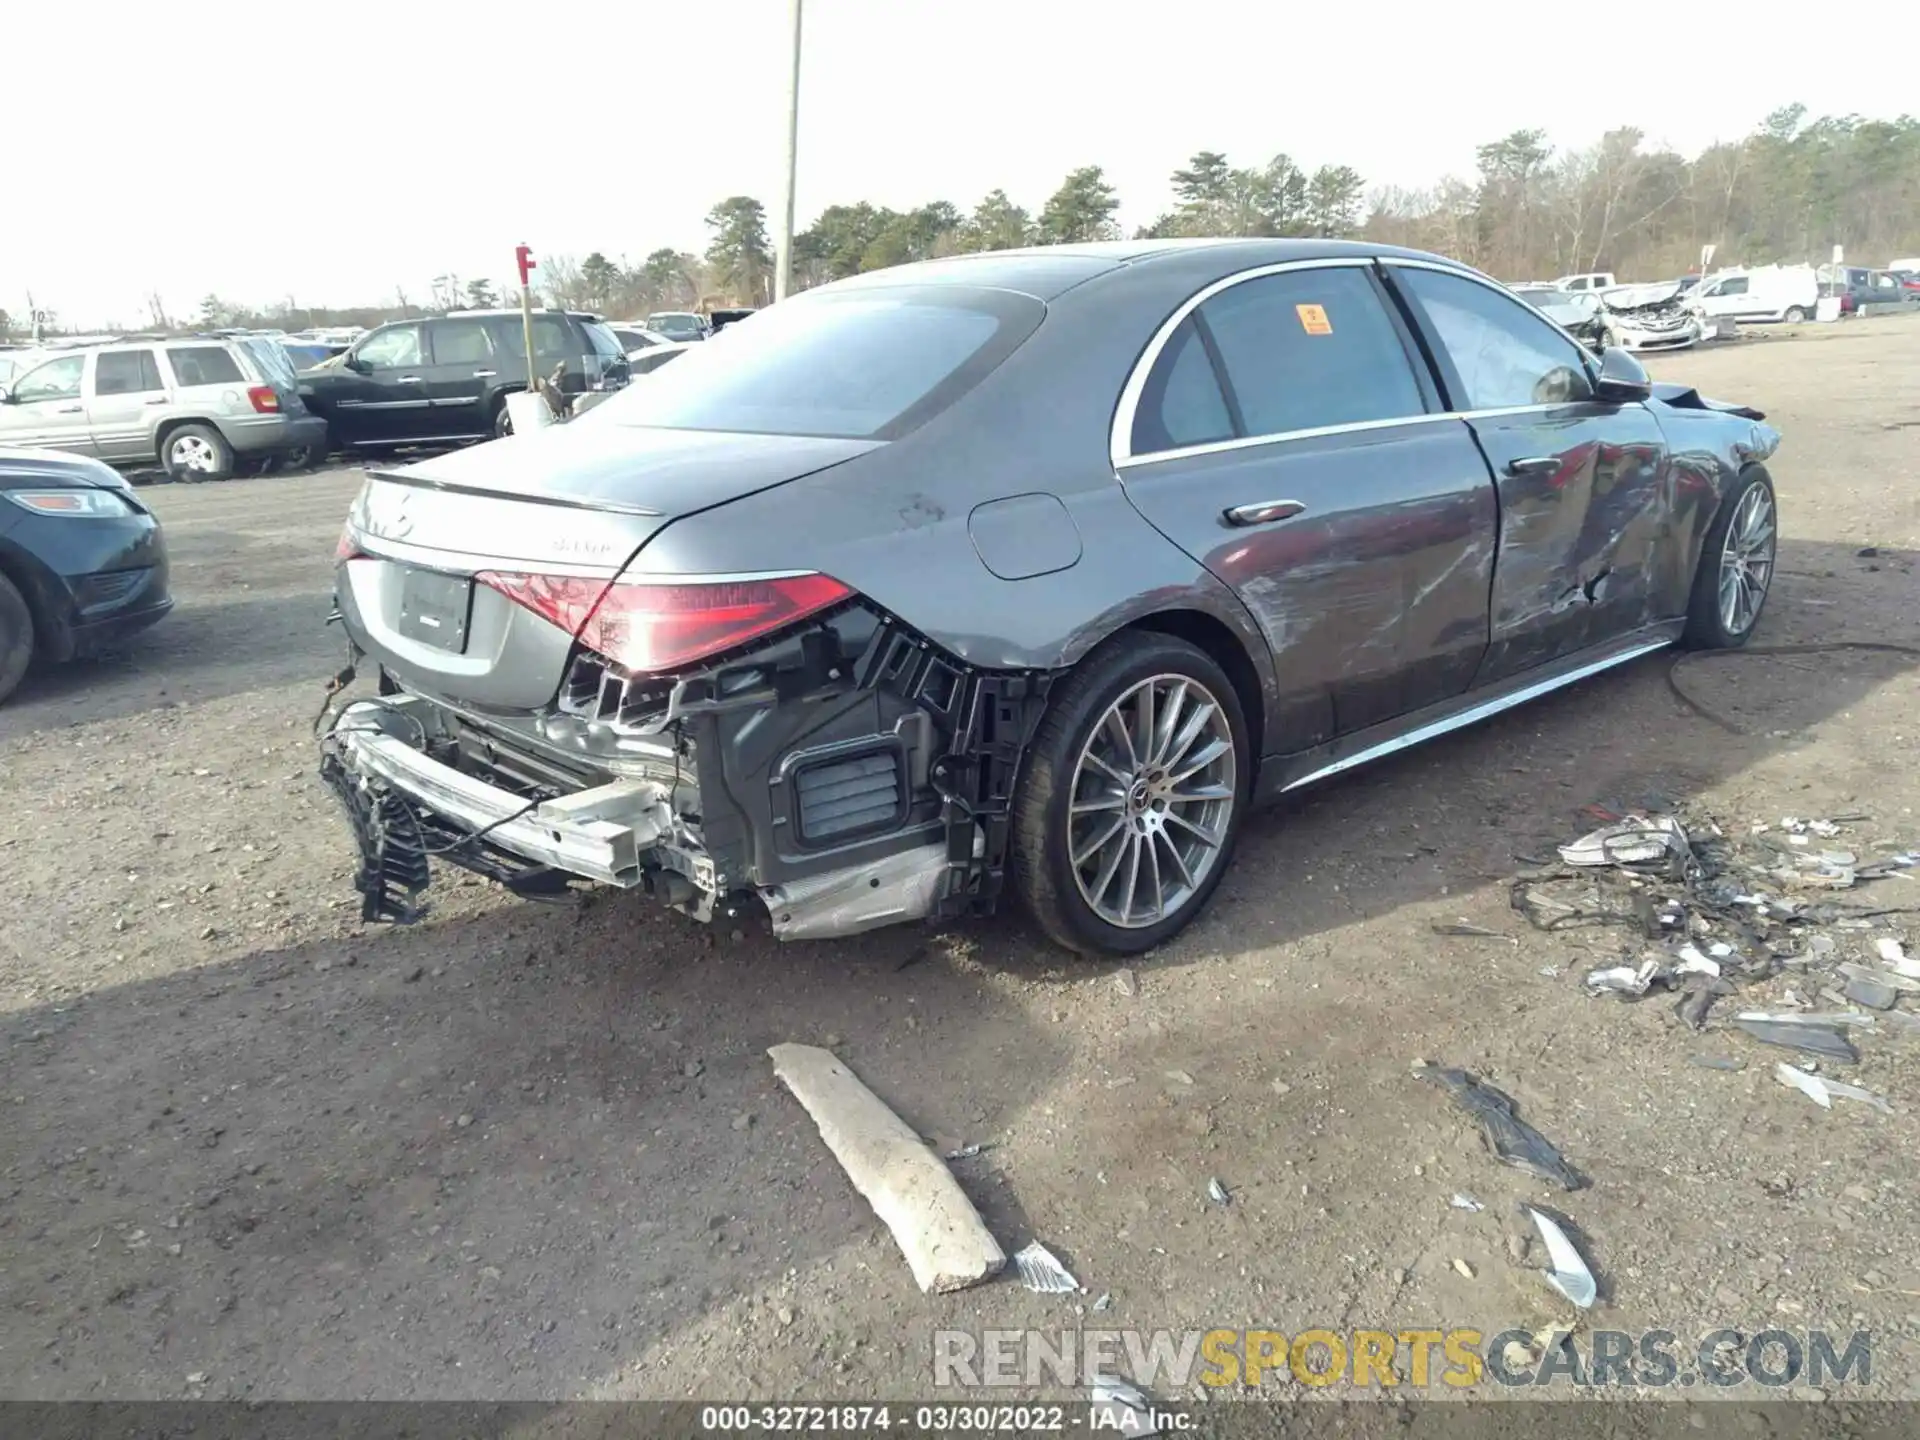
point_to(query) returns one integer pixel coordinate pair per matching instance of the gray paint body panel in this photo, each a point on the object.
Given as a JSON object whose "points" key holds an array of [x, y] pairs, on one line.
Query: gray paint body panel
{"points": [[1024, 536], [1384, 595]]}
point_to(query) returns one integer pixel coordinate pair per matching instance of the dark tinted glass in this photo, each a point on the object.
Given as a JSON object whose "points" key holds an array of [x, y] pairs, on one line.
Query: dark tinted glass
{"points": [[1506, 356], [126, 372], [1309, 348], [603, 341], [866, 365], [203, 365], [1182, 403]]}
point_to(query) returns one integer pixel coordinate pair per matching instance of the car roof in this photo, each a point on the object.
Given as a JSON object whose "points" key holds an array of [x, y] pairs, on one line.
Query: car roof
{"points": [[1045, 271]]}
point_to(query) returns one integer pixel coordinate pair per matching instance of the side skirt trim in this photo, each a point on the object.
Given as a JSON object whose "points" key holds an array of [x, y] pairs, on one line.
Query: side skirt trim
{"points": [[1470, 714]]}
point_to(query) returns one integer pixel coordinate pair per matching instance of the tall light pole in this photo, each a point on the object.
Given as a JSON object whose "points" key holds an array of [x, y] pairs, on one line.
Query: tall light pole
{"points": [[783, 241]]}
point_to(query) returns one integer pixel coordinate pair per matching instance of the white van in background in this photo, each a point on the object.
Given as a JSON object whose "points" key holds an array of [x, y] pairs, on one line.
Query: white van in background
{"points": [[1767, 292], [1594, 280]]}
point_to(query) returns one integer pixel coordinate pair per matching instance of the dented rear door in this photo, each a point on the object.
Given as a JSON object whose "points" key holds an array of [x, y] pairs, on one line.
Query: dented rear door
{"points": [[1284, 438]]}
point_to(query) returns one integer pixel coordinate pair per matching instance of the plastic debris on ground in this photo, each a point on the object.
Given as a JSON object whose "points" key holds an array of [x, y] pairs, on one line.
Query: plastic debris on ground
{"points": [[1041, 1271], [1465, 1202], [1567, 1272], [1821, 1090], [1511, 1140], [1121, 1408], [1691, 908], [1217, 1193]]}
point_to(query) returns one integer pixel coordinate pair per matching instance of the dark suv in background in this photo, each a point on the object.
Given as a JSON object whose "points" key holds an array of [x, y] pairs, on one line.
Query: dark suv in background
{"points": [[447, 378]]}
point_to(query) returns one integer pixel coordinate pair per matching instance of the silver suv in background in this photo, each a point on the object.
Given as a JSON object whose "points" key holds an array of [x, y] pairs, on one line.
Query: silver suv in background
{"points": [[197, 407]]}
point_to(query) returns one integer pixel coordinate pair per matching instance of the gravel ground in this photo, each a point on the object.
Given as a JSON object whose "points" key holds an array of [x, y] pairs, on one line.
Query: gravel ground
{"points": [[251, 1148]]}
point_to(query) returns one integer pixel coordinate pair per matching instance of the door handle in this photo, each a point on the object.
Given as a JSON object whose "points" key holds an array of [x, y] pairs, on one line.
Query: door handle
{"points": [[157, 400], [1533, 465], [407, 380], [1263, 512], [483, 374], [70, 409]]}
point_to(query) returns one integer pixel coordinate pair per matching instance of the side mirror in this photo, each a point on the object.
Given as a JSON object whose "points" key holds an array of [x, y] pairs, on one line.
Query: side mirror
{"points": [[1623, 380], [357, 365]]}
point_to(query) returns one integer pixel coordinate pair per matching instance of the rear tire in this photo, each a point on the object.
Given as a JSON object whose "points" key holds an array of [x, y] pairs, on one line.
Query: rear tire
{"points": [[502, 421], [1135, 787], [196, 452], [1735, 573], [16, 638], [1795, 315]]}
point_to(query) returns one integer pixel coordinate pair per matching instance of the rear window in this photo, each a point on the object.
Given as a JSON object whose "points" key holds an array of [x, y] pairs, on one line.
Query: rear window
{"points": [[866, 365], [203, 365]]}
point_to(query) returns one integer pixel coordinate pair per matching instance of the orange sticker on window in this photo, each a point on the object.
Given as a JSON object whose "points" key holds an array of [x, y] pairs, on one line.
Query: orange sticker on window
{"points": [[1313, 319]]}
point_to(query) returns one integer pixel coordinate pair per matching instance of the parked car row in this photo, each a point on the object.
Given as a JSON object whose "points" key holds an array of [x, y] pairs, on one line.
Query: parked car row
{"points": [[199, 407]]}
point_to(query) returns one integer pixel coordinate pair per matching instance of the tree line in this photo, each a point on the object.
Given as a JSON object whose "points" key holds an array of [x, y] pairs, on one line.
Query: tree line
{"points": [[1788, 192]]}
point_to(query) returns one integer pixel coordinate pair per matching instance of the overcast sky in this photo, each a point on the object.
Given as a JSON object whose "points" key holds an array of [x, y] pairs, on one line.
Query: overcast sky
{"points": [[334, 151]]}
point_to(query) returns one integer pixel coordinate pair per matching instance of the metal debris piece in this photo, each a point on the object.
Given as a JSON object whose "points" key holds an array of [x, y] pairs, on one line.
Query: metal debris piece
{"points": [[1104, 1303], [967, 1152], [1872, 993], [1569, 1273], [1796, 1034], [1894, 954], [1462, 927], [1893, 979], [1217, 1193], [1511, 1140], [1623, 979], [1821, 1090], [1041, 1271], [1121, 1408], [1641, 840], [1695, 1004], [1692, 962], [1465, 1202]]}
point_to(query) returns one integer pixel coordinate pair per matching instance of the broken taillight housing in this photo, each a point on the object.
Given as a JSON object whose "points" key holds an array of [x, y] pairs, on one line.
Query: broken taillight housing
{"points": [[264, 399], [346, 547], [651, 627]]}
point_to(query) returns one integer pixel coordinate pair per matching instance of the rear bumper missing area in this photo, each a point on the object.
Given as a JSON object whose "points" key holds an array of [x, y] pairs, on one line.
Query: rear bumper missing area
{"points": [[406, 806]]}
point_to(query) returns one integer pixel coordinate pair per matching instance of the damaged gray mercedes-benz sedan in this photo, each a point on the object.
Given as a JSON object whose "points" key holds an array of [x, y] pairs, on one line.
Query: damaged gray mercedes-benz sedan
{"points": [[1030, 571]]}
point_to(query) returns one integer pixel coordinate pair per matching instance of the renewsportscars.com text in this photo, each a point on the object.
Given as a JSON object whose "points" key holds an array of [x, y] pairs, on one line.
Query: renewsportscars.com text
{"points": [[1384, 1359]]}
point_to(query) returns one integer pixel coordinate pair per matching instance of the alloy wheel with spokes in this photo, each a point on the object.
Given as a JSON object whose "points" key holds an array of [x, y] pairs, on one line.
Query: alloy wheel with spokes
{"points": [[190, 452], [1131, 795], [1746, 560], [1153, 794]]}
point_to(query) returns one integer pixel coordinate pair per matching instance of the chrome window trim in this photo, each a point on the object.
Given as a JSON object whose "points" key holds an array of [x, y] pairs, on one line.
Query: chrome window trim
{"points": [[1120, 436], [1120, 439], [1249, 442]]}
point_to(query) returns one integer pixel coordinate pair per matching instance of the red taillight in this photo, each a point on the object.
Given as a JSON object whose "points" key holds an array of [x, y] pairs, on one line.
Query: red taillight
{"points": [[265, 399], [651, 628], [346, 548]]}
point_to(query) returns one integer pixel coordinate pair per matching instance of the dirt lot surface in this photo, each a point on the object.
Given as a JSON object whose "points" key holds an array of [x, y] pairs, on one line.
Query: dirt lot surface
{"points": [[249, 1147]]}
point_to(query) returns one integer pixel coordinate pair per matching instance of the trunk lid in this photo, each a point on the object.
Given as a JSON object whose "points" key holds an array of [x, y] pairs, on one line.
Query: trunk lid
{"points": [[576, 501]]}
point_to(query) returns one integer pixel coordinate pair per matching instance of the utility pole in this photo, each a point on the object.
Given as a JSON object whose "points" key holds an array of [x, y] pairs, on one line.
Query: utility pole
{"points": [[783, 241]]}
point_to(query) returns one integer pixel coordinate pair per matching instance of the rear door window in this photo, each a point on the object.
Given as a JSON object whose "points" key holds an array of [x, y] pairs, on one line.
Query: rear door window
{"points": [[867, 364], [603, 341], [1310, 348], [126, 372], [461, 342], [203, 365]]}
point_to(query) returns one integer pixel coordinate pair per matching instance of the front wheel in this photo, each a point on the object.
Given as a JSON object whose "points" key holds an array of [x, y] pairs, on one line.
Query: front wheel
{"points": [[1736, 566], [1136, 783], [16, 637], [1795, 315]]}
